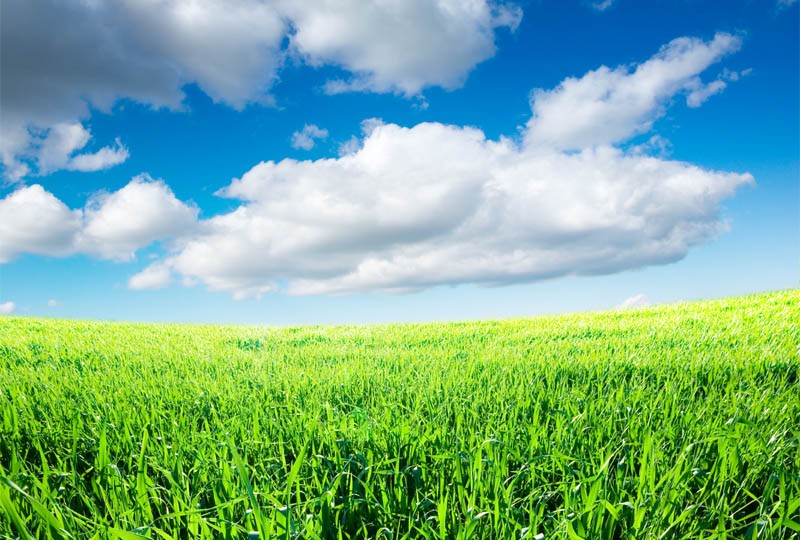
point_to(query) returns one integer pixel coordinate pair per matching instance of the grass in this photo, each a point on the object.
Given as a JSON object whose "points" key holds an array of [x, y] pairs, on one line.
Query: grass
{"points": [[679, 421]]}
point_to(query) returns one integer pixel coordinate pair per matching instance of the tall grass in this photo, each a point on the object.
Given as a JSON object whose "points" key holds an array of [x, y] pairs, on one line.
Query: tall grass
{"points": [[670, 422]]}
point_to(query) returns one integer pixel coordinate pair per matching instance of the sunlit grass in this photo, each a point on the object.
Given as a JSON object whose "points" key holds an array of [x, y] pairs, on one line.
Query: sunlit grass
{"points": [[670, 422]]}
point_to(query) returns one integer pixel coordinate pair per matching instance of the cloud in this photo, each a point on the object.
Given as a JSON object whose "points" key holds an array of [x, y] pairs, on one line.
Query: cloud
{"points": [[53, 303], [24, 151], [608, 106], [782, 4], [145, 210], [61, 60], [57, 151], [702, 92], [35, 221], [306, 139], [436, 204], [7, 308], [111, 226], [636, 301], [400, 45], [699, 92], [155, 276]]}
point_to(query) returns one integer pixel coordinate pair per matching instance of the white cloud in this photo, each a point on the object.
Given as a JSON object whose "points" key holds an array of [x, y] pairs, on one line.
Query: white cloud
{"points": [[102, 159], [155, 276], [306, 139], [636, 301], [57, 151], [7, 308], [43, 151], [700, 93], [53, 303], [112, 226], [435, 204], [61, 142], [398, 45], [60, 59], [608, 106], [35, 221], [145, 210]]}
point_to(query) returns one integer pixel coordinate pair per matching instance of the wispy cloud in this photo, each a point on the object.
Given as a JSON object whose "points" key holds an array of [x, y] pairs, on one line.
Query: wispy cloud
{"points": [[307, 138]]}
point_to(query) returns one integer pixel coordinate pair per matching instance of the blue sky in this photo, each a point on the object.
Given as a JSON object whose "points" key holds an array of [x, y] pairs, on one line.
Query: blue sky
{"points": [[291, 162]]}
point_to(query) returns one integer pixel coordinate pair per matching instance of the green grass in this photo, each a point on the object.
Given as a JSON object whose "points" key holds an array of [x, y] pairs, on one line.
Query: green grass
{"points": [[679, 421]]}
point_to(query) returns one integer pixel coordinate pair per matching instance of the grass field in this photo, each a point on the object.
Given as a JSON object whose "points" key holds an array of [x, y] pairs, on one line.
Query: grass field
{"points": [[680, 421]]}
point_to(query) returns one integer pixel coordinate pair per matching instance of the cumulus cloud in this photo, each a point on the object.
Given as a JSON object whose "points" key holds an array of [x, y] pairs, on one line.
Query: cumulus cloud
{"points": [[111, 226], [636, 301], [35, 221], [62, 59], [7, 308], [307, 138], [398, 45], [436, 204], [410, 208], [608, 106], [117, 224]]}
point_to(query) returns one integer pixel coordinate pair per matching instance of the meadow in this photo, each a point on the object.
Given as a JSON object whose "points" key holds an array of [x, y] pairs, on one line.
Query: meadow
{"points": [[670, 422]]}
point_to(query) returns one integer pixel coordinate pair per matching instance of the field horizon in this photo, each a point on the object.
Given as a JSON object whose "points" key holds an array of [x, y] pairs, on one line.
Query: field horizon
{"points": [[669, 421], [555, 314]]}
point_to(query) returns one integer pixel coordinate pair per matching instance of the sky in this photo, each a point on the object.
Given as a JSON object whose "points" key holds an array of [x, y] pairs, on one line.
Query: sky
{"points": [[280, 162]]}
